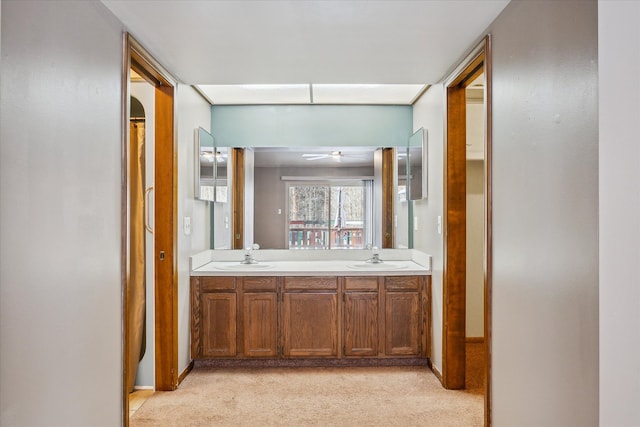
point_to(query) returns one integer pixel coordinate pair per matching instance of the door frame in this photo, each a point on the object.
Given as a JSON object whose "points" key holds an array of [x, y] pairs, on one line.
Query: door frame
{"points": [[165, 214], [236, 159], [454, 244]]}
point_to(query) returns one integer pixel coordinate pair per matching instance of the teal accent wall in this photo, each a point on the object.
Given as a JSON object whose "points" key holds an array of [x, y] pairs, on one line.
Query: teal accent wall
{"points": [[311, 125]]}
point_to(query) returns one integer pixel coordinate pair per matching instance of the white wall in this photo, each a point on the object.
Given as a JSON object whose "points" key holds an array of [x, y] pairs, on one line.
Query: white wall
{"points": [[60, 195], [428, 113], [401, 223], [545, 215], [619, 151], [193, 112]]}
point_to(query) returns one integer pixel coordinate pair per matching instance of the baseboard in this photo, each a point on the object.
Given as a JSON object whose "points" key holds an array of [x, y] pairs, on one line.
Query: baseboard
{"points": [[474, 340], [436, 372], [143, 387], [303, 363], [185, 372]]}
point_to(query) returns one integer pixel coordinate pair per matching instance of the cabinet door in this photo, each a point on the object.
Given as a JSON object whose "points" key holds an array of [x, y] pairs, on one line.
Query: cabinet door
{"points": [[219, 324], [402, 324], [260, 318], [361, 324], [310, 324]]}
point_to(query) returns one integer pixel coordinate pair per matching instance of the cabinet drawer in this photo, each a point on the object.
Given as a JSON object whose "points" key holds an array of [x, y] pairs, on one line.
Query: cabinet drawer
{"points": [[211, 283], [364, 283], [305, 283], [250, 284], [394, 283]]}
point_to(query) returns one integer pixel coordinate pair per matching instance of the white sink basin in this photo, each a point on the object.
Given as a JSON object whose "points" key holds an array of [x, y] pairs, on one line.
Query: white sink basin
{"points": [[244, 267], [376, 266]]}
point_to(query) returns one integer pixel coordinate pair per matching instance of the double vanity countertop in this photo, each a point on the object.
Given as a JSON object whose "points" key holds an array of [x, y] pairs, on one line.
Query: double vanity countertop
{"points": [[396, 262]]}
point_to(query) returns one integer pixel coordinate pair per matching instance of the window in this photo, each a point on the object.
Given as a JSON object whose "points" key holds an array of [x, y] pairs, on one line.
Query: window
{"points": [[335, 215]]}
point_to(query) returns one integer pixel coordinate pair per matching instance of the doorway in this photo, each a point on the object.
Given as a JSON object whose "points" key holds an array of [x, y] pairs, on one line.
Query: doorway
{"points": [[142, 122], [455, 252], [135, 206]]}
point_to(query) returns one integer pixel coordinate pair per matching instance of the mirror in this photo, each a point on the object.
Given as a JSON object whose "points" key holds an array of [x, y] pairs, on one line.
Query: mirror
{"points": [[303, 197], [211, 169], [402, 205], [416, 182]]}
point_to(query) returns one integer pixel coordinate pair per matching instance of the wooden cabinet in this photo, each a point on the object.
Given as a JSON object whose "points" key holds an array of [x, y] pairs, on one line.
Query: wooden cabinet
{"points": [[214, 307], [402, 316], [361, 314], [361, 324], [309, 317], [259, 317], [219, 321], [402, 336], [310, 324]]}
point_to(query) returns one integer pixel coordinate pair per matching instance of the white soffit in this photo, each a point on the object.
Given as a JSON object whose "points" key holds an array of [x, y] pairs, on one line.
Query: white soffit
{"points": [[257, 94], [397, 94], [392, 94]]}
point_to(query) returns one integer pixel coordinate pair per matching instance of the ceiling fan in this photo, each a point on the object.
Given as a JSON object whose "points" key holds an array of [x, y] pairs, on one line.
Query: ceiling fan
{"points": [[335, 155]]}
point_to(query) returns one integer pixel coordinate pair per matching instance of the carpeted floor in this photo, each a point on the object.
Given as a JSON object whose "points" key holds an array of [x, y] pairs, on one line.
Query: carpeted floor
{"points": [[371, 396], [379, 396]]}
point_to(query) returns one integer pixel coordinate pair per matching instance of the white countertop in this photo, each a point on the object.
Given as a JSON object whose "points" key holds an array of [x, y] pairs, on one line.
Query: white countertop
{"points": [[311, 268], [396, 262]]}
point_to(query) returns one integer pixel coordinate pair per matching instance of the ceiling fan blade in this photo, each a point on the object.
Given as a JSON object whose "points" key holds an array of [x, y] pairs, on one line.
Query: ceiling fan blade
{"points": [[316, 157]]}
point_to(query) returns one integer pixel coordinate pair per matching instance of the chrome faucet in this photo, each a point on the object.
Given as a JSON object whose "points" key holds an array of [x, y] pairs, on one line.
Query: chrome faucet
{"points": [[248, 254], [375, 255]]}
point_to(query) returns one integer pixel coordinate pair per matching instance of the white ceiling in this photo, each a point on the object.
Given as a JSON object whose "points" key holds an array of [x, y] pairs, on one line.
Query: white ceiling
{"points": [[307, 41]]}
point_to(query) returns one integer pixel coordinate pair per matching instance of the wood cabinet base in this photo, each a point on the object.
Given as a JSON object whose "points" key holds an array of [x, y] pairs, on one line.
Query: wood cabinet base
{"points": [[300, 321], [312, 362]]}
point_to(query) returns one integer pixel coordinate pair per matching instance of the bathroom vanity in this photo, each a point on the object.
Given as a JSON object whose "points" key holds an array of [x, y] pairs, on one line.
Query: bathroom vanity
{"points": [[290, 308]]}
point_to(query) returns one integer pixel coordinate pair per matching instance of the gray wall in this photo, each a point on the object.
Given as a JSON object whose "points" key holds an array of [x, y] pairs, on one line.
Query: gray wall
{"points": [[545, 214], [619, 157], [60, 189]]}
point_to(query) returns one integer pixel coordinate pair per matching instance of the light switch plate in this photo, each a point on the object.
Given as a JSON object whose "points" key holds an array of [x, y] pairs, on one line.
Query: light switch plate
{"points": [[187, 225]]}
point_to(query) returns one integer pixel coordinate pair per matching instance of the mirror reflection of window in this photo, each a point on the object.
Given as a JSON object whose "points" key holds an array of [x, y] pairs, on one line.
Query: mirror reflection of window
{"points": [[329, 216]]}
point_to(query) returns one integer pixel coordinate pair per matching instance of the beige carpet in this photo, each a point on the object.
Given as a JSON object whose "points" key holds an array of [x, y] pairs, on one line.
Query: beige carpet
{"points": [[379, 396]]}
